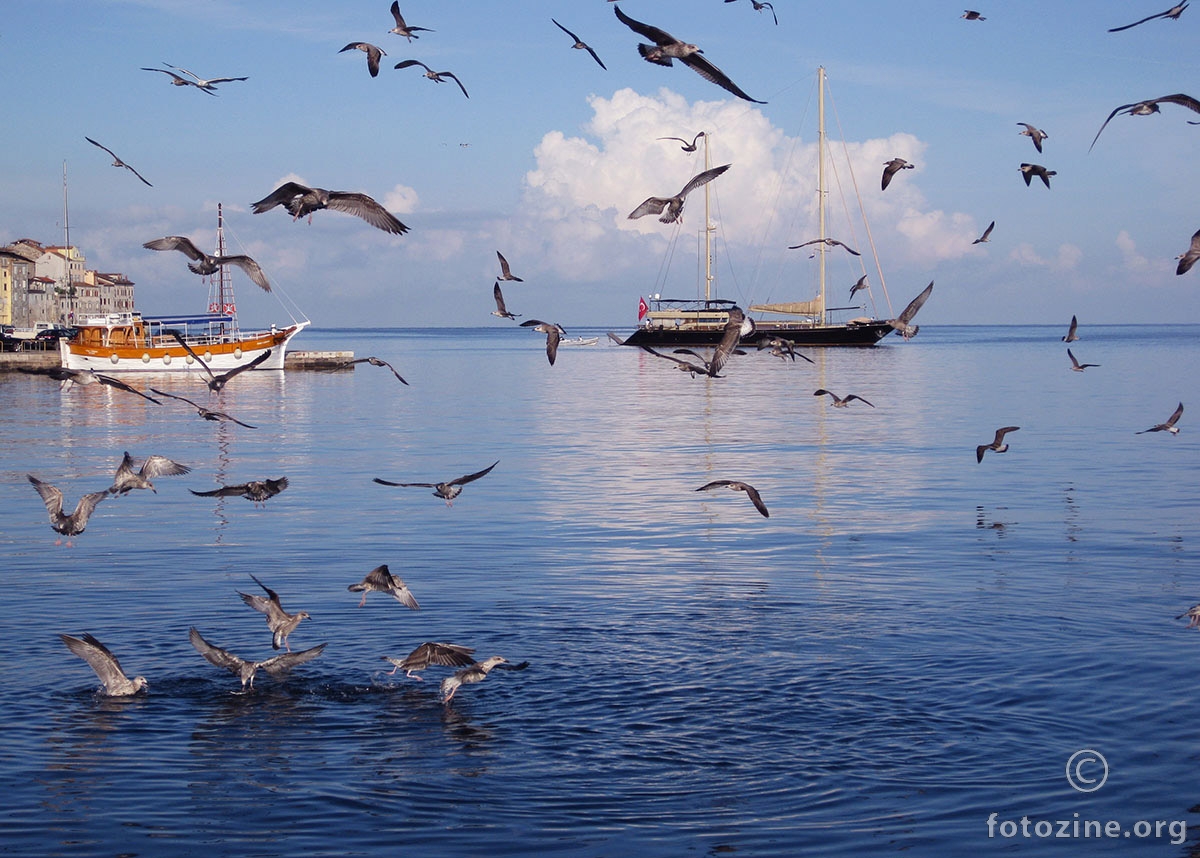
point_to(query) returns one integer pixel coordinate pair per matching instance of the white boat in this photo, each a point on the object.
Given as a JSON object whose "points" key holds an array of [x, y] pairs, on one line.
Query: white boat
{"points": [[578, 341], [129, 342]]}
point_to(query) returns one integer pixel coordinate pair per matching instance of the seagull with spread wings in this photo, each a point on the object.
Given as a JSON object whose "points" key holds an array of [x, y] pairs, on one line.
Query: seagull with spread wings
{"points": [[1071, 335], [279, 621], [373, 361], [580, 44], [381, 580], [997, 445], [176, 80], [68, 378], [891, 168], [686, 147], [208, 85], [206, 264], [435, 76], [216, 383], [113, 681], [987, 234], [74, 523], [278, 666], [505, 271], [901, 322], [828, 242], [1169, 426], [301, 200], [501, 310], [259, 491], [448, 490], [841, 401], [554, 333], [373, 52], [1028, 171], [1037, 135], [117, 162], [739, 486], [431, 653], [1145, 108], [128, 478], [403, 29], [1188, 258], [670, 208], [206, 413], [1173, 13]]}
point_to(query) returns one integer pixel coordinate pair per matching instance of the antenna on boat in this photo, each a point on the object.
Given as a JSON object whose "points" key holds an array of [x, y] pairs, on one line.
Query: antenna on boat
{"points": [[220, 289]]}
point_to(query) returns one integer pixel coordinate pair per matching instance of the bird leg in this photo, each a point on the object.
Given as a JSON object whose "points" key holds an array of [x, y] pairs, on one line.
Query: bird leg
{"points": [[363, 600], [418, 678]]}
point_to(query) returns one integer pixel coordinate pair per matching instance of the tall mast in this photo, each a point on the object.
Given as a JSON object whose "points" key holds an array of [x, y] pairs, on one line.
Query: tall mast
{"points": [[67, 284], [220, 293], [708, 229], [822, 247]]}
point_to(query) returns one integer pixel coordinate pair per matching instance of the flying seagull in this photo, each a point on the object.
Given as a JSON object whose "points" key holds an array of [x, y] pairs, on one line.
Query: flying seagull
{"points": [[436, 77], [554, 333], [840, 401], [373, 53], [1035, 134], [216, 383], [277, 665], [891, 168], [828, 242], [1071, 335], [117, 162], [901, 322], [580, 44], [674, 205], [667, 48], [113, 681], [501, 310], [987, 234], [373, 361], [505, 271], [1188, 259], [206, 413], [300, 200], [1174, 12], [70, 377], [403, 29], [738, 486], [1028, 171], [972, 15], [1169, 426], [1076, 365], [997, 445], [477, 672], [279, 621], [176, 80], [759, 6], [784, 348], [861, 284], [259, 491], [207, 85], [682, 365], [205, 264], [1145, 108], [686, 147], [381, 580], [448, 490], [127, 478], [52, 497], [430, 653]]}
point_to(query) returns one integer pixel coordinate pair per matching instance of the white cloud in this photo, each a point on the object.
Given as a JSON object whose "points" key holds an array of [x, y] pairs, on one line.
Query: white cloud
{"points": [[400, 200], [1066, 258]]}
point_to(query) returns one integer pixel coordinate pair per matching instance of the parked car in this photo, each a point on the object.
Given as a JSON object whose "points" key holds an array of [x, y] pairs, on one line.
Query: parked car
{"points": [[54, 334]]}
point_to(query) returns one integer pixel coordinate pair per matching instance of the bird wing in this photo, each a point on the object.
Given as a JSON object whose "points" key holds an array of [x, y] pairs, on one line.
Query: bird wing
{"points": [[916, 304], [405, 485], [160, 466], [274, 487], [395, 10], [374, 361], [471, 477], [499, 296], [124, 470], [223, 491], [599, 62], [102, 146], [565, 30], [214, 654], [659, 37], [360, 205], [442, 654], [699, 64], [843, 244], [1074, 362], [755, 498], [1106, 121], [988, 232], [1000, 433], [220, 380], [452, 77], [850, 396], [703, 179], [730, 336], [252, 268], [804, 244], [1188, 259], [652, 205], [687, 364], [187, 348], [505, 270], [120, 385], [714, 485], [1174, 418], [282, 195], [553, 336], [176, 242], [403, 64], [1182, 100], [280, 664], [98, 657], [1143, 21], [180, 398]]}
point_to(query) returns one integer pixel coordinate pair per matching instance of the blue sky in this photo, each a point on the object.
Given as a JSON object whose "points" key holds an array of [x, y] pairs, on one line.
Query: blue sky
{"points": [[550, 153]]}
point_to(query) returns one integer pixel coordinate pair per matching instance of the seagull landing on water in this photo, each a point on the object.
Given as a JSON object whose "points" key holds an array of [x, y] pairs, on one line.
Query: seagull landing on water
{"points": [[373, 53], [117, 162], [891, 168], [205, 264], [68, 525], [381, 580], [1035, 134], [113, 681], [431, 653], [1169, 426], [301, 200], [127, 478], [279, 621], [674, 205], [997, 445], [448, 490], [739, 486], [477, 672], [278, 666]]}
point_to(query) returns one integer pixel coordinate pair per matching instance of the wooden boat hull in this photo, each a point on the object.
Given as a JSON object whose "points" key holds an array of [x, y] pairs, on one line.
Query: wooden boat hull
{"points": [[109, 350]]}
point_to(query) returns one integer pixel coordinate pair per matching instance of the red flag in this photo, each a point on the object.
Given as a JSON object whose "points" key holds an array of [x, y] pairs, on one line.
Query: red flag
{"points": [[643, 309]]}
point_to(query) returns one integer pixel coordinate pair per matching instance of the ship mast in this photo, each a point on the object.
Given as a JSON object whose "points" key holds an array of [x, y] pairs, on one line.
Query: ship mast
{"points": [[708, 230], [822, 247], [220, 291]]}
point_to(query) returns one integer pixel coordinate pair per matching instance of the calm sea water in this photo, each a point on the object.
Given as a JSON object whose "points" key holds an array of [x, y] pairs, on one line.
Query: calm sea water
{"points": [[911, 643]]}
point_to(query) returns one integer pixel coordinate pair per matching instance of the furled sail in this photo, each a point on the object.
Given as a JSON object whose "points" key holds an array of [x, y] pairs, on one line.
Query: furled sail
{"points": [[814, 307]]}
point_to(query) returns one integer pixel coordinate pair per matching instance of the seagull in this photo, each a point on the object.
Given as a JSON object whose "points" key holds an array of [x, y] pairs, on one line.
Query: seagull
{"points": [[477, 672], [1193, 615], [861, 284], [279, 621], [683, 365], [738, 486], [987, 234], [206, 85], [828, 242], [738, 325], [1145, 108], [205, 264], [501, 310], [580, 44], [113, 681], [783, 348], [277, 665], [1169, 426], [300, 200], [891, 168], [216, 383], [436, 77], [206, 413], [1174, 12], [176, 80], [441, 654], [667, 48], [759, 6], [373, 54], [901, 322], [52, 497], [553, 331], [259, 491], [117, 162], [972, 15], [840, 401], [674, 205], [127, 479], [686, 147], [448, 490], [71, 377], [505, 271], [616, 339], [1028, 171], [1076, 365], [373, 361], [1035, 134], [997, 445], [381, 580], [1188, 259], [403, 29], [1071, 335]]}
